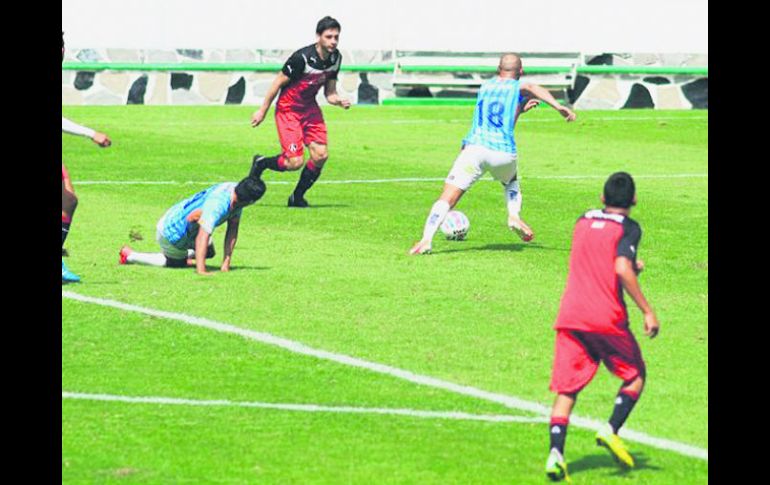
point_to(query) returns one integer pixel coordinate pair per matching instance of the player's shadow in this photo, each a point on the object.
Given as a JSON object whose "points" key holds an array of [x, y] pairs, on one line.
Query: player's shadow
{"points": [[603, 460], [314, 206], [503, 247], [248, 268]]}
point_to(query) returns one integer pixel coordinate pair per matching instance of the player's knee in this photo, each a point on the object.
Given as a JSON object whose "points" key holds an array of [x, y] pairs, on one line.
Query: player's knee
{"points": [[69, 202], [294, 163], [319, 160], [175, 263]]}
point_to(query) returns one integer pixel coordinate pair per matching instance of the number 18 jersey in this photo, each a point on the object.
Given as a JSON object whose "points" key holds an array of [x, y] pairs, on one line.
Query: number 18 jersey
{"points": [[495, 115]]}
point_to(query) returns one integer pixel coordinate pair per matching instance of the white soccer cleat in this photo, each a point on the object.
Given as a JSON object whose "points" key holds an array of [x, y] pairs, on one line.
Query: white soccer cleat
{"points": [[519, 227], [421, 248]]}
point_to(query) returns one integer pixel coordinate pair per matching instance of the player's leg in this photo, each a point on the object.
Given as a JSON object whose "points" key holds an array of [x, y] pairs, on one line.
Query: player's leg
{"points": [[504, 168], [170, 256], [574, 365], [315, 136], [292, 149], [623, 357], [312, 171], [69, 203], [464, 173]]}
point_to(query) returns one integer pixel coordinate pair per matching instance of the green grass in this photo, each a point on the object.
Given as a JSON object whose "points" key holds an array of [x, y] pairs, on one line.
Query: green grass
{"points": [[337, 277]]}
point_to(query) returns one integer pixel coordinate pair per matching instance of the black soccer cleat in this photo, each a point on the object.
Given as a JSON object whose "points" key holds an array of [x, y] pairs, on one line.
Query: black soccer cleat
{"points": [[256, 170], [295, 201]]}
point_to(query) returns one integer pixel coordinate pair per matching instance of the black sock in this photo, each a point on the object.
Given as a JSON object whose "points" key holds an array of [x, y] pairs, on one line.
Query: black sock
{"points": [[306, 180], [624, 403], [257, 167], [65, 230], [558, 433]]}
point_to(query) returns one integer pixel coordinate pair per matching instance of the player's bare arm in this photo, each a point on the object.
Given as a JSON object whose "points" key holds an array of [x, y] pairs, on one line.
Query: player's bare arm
{"points": [[543, 94], [279, 82], [626, 271], [201, 246], [330, 91], [230, 238]]}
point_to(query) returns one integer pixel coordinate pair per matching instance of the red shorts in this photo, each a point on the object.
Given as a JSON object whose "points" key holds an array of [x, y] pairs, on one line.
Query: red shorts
{"points": [[295, 130], [578, 355]]}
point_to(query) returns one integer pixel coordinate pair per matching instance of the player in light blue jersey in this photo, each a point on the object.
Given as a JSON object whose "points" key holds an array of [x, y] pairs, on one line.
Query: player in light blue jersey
{"points": [[490, 147], [184, 231]]}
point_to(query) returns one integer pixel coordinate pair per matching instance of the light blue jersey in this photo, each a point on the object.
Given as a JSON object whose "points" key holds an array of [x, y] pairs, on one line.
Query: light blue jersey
{"points": [[495, 115], [207, 209]]}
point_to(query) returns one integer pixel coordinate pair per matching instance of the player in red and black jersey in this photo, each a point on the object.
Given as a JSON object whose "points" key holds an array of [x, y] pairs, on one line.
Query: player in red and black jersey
{"points": [[298, 118], [592, 325]]}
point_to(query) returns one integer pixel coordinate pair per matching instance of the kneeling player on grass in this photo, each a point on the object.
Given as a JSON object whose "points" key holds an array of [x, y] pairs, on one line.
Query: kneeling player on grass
{"points": [[184, 231], [592, 324], [489, 146]]}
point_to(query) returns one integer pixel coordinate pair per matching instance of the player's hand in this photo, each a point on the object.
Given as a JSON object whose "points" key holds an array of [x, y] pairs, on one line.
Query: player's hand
{"points": [[257, 118], [567, 113], [345, 103], [651, 325], [101, 139], [639, 266], [532, 103]]}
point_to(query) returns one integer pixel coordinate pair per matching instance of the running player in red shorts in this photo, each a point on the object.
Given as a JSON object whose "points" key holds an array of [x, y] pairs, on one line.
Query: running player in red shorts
{"points": [[298, 117], [592, 325], [69, 201]]}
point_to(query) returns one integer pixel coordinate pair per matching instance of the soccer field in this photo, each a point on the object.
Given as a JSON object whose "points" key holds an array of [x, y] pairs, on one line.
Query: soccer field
{"points": [[327, 355]]}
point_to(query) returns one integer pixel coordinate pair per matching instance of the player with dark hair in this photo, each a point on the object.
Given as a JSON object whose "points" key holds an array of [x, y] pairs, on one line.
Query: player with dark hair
{"points": [[69, 200], [298, 117], [184, 231], [489, 146], [592, 324]]}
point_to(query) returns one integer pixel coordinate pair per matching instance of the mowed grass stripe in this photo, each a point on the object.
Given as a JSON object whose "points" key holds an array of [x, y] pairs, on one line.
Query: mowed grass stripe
{"points": [[297, 347]]}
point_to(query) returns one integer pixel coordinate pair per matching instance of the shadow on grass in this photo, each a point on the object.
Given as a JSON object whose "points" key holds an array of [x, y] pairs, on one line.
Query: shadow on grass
{"points": [[503, 247], [312, 206], [604, 460]]}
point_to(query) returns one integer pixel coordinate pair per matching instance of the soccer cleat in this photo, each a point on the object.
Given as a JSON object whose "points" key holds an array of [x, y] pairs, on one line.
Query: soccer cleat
{"points": [[606, 438], [124, 252], [68, 276], [556, 467], [295, 201], [519, 227], [421, 248], [255, 171]]}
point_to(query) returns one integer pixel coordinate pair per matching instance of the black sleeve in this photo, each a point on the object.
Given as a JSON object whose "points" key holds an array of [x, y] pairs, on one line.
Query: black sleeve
{"points": [[629, 243], [294, 66]]}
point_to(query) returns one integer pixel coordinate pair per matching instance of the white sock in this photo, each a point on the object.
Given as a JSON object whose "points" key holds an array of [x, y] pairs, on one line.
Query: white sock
{"points": [[152, 259], [437, 215], [512, 193]]}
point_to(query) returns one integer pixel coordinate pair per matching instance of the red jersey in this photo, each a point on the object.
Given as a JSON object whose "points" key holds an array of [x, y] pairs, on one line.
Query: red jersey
{"points": [[308, 73], [593, 298]]}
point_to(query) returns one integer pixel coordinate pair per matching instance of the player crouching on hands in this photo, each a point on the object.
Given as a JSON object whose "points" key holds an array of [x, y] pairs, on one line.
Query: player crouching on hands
{"points": [[297, 116], [184, 231]]}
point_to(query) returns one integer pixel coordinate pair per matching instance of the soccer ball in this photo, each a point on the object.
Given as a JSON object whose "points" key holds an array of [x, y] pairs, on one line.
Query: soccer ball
{"points": [[455, 226]]}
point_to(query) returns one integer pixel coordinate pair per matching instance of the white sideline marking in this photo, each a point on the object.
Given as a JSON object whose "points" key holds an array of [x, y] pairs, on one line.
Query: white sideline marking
{"points": [[384, 181], [300, 348], [310, 408]]}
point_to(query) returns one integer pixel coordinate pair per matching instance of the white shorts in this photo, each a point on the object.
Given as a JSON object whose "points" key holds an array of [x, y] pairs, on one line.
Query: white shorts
{"points": [[474, 160], [169, 250]]}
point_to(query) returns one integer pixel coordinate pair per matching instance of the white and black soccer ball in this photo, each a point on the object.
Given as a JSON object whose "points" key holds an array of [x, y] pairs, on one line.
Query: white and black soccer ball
{"points": [[456, 225]]}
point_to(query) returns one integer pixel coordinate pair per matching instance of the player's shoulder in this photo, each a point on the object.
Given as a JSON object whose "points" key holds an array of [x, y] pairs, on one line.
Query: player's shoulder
{"points": [[303, 53]]}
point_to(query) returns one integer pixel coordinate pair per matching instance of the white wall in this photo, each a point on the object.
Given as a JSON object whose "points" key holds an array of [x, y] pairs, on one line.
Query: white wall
{"points": [[590, 26]]}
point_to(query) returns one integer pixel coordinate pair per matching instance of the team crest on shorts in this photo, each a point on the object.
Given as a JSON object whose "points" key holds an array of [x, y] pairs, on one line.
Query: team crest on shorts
{"points": [[293, 147]]}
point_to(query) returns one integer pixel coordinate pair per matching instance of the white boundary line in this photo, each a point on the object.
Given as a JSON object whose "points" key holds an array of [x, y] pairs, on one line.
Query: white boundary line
{"points": [[384, 181], [300, 348], [311, 408]]}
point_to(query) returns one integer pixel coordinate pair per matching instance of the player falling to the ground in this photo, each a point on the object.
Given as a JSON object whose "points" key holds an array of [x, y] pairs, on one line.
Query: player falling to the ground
{"points": [[297, 116], [69, 200], [592, 324], [184, 231], [489, 146]]}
